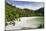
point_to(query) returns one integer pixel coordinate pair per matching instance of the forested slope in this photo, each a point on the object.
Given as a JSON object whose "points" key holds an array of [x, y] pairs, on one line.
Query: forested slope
{"points": [[12, 12]]}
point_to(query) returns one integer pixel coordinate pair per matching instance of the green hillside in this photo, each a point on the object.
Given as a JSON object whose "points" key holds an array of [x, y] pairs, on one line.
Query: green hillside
{"points": [[10, 12], [13, 12]]}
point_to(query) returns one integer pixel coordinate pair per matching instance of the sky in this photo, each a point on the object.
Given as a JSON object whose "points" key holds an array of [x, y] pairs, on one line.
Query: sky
{"points": [[26, 4], [30, 0]]}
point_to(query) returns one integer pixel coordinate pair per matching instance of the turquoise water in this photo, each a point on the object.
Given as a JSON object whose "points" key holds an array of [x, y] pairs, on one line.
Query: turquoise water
{"points": [[27, 23]]}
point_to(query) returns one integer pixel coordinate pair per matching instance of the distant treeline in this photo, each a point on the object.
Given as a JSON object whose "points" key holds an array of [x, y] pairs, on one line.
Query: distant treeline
{"points": [[13, 12]]}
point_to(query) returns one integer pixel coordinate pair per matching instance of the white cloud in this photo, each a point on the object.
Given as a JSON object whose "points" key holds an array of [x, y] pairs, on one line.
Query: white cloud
{"points": [[33, 6], [37, 6], [22, 7]]}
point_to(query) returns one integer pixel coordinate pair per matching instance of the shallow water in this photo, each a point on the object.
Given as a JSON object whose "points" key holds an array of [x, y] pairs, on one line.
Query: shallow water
{"points": [[26, 23]]}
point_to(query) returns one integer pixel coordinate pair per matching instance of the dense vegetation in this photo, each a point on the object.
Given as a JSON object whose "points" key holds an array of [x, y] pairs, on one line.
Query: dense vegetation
{"points": [[13, 12]]}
